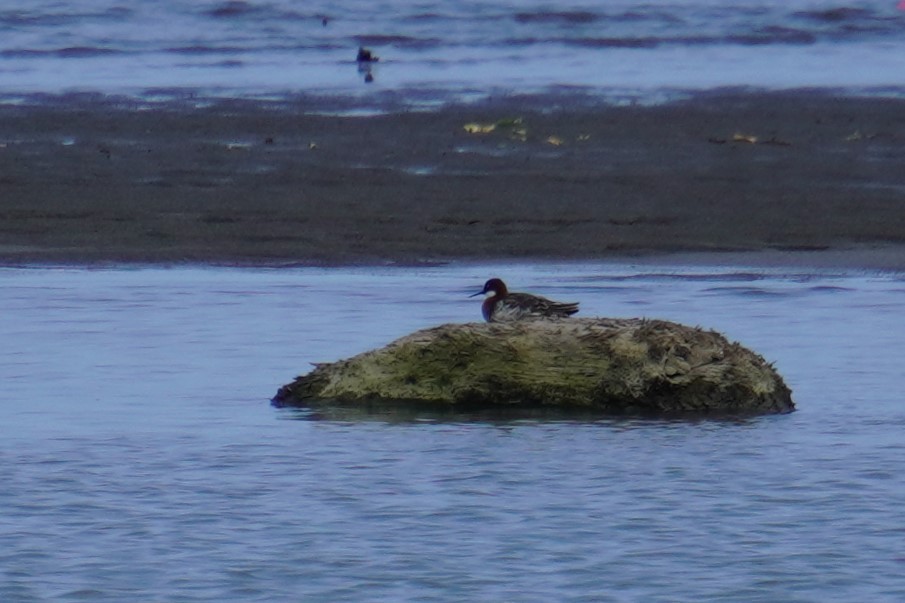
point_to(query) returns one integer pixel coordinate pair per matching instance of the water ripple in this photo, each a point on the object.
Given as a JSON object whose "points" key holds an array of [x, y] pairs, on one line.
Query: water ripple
{"points": [[140, 460]]}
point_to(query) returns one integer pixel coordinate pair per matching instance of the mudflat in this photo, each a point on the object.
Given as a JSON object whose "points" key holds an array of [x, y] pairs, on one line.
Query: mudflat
{"points": [[730, 175]]}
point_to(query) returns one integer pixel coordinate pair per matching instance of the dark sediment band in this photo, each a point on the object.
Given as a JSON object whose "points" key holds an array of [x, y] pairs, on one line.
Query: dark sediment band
{"points": [[249, 182]]}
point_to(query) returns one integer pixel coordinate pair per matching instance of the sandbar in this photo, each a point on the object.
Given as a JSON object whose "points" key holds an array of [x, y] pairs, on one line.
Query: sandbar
{"points": [[721, 177]]}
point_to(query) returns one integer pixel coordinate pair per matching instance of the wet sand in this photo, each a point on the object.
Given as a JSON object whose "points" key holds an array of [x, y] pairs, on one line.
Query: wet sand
{"points": [[723, 178]]}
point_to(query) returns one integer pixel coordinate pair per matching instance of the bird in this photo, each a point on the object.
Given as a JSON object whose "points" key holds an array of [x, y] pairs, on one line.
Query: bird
{"points": [[365, 59], [366, 56], [502, 306]]}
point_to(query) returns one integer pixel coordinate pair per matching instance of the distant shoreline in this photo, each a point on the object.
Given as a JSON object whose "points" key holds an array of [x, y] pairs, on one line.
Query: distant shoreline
{"points": [[724, 177]]}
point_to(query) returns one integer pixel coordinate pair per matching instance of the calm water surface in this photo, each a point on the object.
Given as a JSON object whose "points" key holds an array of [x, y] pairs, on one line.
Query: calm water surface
{"points": [[140, 459]]}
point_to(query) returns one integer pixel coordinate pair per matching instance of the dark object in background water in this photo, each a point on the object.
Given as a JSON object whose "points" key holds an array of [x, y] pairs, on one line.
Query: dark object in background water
{"points": [[614, 366], [366, 56], [365, 59], [365, 70]]}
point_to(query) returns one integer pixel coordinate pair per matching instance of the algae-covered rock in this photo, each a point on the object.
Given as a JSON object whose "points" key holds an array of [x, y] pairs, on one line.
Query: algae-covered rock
{"points": [[633, 366]]}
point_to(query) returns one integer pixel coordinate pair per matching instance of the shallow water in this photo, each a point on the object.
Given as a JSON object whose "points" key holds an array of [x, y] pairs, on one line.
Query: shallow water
{"points": [[141, 460], [430, 50]]}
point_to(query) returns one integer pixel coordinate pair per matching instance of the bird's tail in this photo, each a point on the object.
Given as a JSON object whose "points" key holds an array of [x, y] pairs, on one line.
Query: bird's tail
{"points": [[565, 309]]}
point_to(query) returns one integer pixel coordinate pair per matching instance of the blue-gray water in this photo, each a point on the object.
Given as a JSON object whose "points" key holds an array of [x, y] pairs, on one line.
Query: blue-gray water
{"points": [[141, 461], [432, 51]]}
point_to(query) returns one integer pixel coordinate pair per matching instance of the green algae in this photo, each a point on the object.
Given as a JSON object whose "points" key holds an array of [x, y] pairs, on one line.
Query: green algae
{"points": [[616, 366]]}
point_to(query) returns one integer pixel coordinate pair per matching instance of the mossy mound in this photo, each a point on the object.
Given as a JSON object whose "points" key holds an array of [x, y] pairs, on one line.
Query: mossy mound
{"points": [[632, 366]]}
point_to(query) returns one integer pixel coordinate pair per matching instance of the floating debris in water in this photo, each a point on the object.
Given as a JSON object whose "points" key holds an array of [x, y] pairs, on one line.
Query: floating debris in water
{"points": [[737, 137], [474, 128], [507, 123]]}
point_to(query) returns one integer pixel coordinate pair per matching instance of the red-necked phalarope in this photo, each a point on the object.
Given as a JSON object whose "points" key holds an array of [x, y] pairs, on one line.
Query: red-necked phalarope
{"points": [[502, 306]]}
